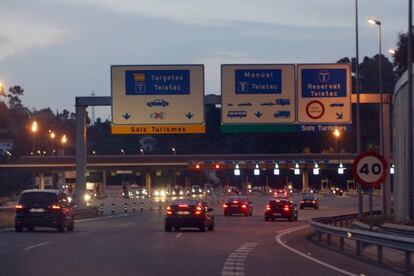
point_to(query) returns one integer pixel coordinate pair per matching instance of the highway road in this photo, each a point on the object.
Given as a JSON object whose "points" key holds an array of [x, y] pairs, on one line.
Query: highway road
{"points": [[136, 244]]}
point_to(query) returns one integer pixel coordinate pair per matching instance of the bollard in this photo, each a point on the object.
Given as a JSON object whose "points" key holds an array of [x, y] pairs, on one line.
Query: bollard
{"points": [[113, 208], [133, 207], [101, 209], [151, 205], [141, 206], [125, 207]]}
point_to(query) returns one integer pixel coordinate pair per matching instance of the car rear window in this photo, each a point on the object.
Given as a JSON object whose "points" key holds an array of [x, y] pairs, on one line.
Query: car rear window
{"points": [[309, 198], [38, 197], [277, 203], [240, 199], [189, 202]]}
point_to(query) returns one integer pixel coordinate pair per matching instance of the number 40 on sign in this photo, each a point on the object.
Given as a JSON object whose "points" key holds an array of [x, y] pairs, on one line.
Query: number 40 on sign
{"points": [[370, 169]]}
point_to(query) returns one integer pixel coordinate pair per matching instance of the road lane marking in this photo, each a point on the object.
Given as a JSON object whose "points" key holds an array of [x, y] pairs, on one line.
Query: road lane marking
{"points": [[101, 218], [178, 235], [85, 233], [234, 264], [6, 229], [124, 224], [282, 243], [35, 246]]}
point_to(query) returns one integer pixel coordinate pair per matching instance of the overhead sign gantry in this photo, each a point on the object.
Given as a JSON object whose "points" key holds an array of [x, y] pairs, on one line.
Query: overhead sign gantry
{"points": [[157, 99]]}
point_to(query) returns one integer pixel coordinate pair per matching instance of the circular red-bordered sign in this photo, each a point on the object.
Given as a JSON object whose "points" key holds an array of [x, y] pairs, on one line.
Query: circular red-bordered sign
{"points": [[370, 169], [315, 109]]}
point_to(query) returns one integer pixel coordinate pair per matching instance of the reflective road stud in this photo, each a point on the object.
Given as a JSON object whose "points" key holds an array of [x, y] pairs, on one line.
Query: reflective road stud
{"points": [[113, 208], [125, 207], [133, 207], [101, 209], [141, 206]]}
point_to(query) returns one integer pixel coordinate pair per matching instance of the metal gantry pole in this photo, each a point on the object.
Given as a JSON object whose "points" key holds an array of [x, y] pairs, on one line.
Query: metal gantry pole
{"points": [[410, 109], [358, 127]]}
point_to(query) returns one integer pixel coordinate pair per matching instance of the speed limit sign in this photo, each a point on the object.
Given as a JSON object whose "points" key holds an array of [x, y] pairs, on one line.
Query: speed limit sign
{"points": [[370, 169]]}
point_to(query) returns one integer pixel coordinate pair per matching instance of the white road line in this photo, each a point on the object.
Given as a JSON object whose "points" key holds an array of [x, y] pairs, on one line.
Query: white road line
{"points": [[234, 264], [124, 224], [34, 246], [85, 233], [178, 235], [6, 229], [101, 218], [288, 231]]}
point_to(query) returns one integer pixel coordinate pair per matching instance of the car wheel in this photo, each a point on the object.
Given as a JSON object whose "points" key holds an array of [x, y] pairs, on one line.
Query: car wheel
{"points": [[202, 228], [301, 207], [316, 207], [211, 227], [71, 227], [30, 228], [18, 228], [267, 219], [167, 227], [61, 228], [290, 218]]}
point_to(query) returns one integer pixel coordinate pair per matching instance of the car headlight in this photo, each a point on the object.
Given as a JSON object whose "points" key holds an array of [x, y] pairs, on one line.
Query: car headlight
{"points": [[199, 190], [173, 192], [181, 193], [69, 199], [87, 197], [193, 190], [156, 193], [162, 193]]}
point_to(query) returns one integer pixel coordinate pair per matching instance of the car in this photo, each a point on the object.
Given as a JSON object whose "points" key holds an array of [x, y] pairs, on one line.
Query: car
{"points": [[281, 208], [236, 114], [238, 205], [267, 104], [282, 102], [245, 104], [160, 192], [158, 102], [282, 114], [177, 191], [337, 104], [337, 191], [309, 201], [188, 212], [196, 190], [232, 190], [280, 193], [44, 208]]}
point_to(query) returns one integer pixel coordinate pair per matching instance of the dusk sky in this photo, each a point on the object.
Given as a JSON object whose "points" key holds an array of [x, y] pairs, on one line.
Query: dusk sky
{"points": [[57, 49]]}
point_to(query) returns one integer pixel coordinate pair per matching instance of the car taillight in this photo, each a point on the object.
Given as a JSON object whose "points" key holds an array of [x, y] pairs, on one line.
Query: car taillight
{"points": [[268, 207], [183, 205], [55, 207], [244, 206], [225, 205], [286, 207], [313, 201], [302, 201], [235, 201], [199, 210], [169, 210], [19, 207]]}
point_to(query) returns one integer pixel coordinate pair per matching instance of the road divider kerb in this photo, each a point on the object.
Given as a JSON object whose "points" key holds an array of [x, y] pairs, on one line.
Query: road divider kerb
{"points": [[279, 240], [35, 246]]}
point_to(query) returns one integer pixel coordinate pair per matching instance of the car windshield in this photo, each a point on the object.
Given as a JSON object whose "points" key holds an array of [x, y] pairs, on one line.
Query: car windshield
{"points": [[38, 197]]}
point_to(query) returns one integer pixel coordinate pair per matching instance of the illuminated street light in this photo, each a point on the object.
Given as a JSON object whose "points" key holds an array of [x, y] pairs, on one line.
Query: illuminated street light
{"points": [[173, 150], [336, 133], [297, 169], [122, 151], [391, 51], [316, 169], [341, 169], [63, 141], [52, 136], [141, 150], [34, 129], [276, 170], [237, 170], [392, 169], [257, 170], [93, 152]]}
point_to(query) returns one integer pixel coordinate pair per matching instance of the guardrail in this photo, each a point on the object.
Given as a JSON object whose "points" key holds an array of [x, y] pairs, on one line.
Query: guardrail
{"points": [[329, 226]]}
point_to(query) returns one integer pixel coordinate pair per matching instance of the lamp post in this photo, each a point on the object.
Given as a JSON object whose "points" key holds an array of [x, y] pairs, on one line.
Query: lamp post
{"points": [[34, 129], [52, 136], [336, 133], [378, 23], [63, 141]]}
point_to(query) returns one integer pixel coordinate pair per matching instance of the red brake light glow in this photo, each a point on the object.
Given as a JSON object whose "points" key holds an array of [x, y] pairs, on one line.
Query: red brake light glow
{"points": [[225, 205], [268, 207], [183, 205], [313, 201], [244, 206], [286, 207], [169, 210], [235, 201], [198, 210], [19, 206], [302, 201], [55, 207]]}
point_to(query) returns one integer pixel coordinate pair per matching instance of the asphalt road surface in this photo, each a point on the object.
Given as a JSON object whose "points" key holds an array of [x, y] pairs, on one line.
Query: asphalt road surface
{"points": [[136, 244]]}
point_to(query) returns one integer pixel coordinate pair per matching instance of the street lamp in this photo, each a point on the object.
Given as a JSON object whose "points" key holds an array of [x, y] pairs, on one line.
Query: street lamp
{"points": [[63, 141], [52, 136], [34, 129], [123, 151], [336, 133], [378, 23]]}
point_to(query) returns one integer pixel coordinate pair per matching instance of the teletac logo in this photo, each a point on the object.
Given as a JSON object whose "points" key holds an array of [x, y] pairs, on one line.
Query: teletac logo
{"points": [[324, 75]]}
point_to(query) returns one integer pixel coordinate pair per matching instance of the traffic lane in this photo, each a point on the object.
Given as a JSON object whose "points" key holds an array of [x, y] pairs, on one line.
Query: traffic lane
{"points": [[145, 249], [13, 243], [302, 241]]}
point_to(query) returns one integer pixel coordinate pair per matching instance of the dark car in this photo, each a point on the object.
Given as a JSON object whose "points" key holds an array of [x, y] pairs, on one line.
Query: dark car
{"points": [[238, 205], [44, 208], [158, 102], [189, 213], [281, 209], [309, 201]]}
